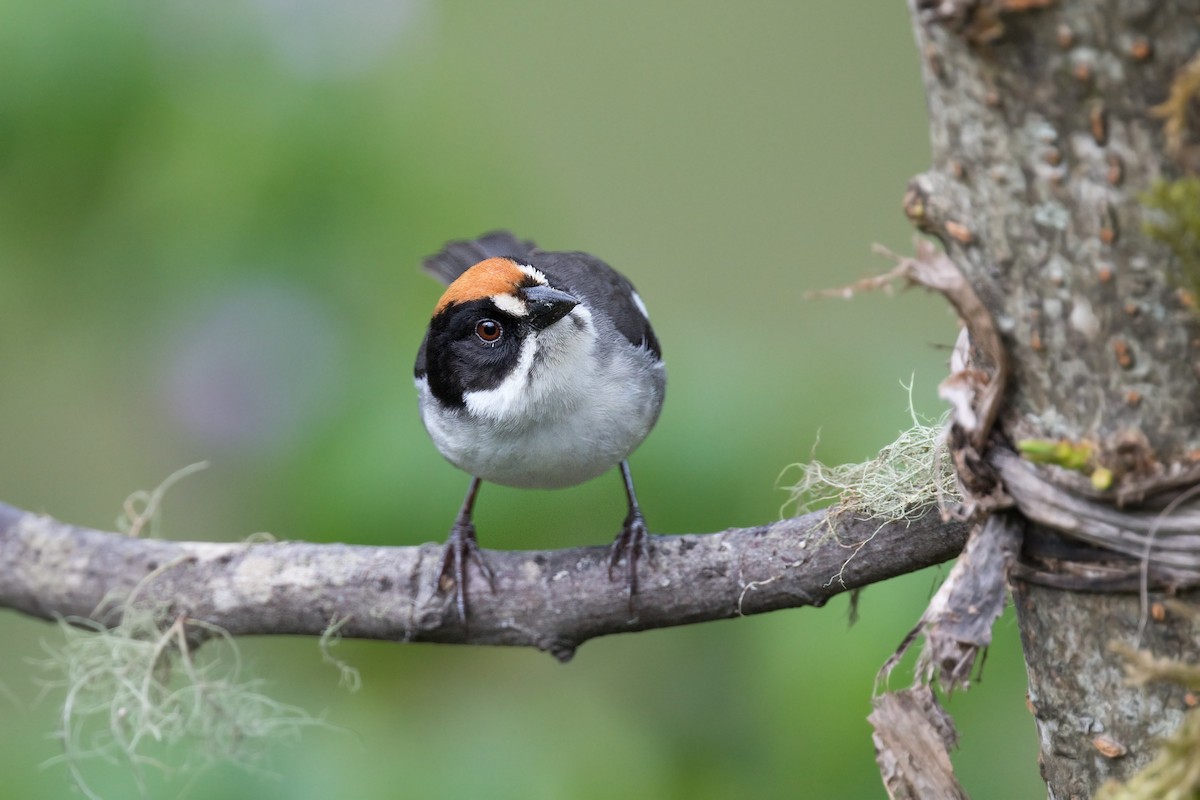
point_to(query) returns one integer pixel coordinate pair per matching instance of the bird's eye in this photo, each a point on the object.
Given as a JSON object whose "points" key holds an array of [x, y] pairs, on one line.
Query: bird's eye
{"points": [[488, 330]]}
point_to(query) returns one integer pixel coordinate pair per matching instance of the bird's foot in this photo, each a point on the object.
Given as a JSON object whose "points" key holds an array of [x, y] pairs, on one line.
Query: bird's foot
{"points": [[462, 548], [631, 544]]}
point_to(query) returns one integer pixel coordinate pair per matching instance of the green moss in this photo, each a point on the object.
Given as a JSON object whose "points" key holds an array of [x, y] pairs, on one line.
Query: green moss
{"points": [[1177, 224]]}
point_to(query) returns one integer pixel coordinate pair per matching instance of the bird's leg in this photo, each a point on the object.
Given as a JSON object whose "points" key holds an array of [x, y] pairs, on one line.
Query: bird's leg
{"points": [[461, 547], [631, 541]]}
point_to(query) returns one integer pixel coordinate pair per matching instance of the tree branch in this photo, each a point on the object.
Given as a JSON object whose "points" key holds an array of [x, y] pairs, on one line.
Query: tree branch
{"points": [[553, 600]]}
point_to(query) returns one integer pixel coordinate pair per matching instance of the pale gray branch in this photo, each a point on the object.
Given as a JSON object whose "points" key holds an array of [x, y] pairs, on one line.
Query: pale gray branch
{"points": [[553, 600]]}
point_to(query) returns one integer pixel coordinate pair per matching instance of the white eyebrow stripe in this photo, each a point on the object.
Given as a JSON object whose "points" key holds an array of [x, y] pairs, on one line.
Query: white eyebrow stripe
{"points": [[510, 304], [533, 272]]}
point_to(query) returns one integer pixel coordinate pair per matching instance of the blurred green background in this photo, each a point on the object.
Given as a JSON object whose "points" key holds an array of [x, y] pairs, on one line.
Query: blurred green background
{"points": [[211, 221]]}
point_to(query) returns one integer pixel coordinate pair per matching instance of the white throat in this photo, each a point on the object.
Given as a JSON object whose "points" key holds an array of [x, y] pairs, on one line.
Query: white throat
{"points": [[554, 373]]}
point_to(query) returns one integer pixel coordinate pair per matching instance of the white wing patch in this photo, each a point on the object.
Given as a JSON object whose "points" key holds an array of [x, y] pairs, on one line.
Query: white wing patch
{"points": [[637, 301]]}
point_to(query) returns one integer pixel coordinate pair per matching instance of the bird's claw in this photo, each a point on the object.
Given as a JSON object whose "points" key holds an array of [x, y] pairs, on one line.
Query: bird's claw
{"points": [[631, 544], [462, 548]]}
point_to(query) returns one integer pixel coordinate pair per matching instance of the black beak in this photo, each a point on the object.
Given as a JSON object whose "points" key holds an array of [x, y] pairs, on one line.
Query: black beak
{"points": [[547, 306]]}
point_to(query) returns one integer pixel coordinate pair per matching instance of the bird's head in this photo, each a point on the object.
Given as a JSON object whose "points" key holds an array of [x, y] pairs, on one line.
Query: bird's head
{"points": [[485, 330]]}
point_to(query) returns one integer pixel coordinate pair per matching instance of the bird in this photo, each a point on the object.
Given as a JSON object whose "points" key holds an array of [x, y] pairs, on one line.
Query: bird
{"points": [[539, 370]]}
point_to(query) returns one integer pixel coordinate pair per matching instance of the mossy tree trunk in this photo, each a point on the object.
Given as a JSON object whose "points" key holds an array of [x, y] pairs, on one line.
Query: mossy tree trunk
{"points": [[1050, 123]]}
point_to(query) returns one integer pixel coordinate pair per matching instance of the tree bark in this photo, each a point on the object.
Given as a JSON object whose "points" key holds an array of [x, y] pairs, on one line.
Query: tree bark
{"points": [[1044, 141], [553, 600]]}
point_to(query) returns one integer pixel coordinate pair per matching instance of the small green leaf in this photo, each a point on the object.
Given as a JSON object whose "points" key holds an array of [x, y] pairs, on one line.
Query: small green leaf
{"points": [[1071, 455], [1102, 478]]}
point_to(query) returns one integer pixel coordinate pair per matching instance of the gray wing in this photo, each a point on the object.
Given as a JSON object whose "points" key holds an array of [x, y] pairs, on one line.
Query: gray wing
{"points": [[589, 277], [457, 257]]}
